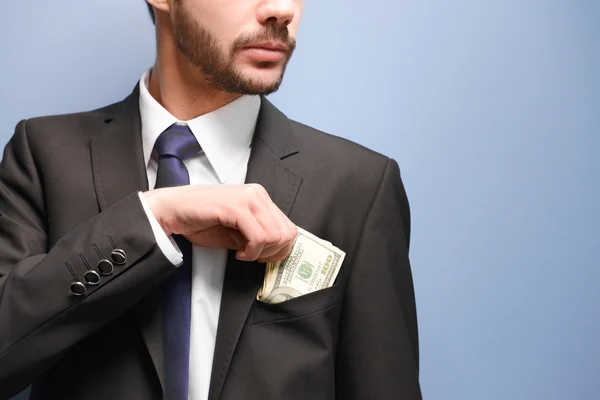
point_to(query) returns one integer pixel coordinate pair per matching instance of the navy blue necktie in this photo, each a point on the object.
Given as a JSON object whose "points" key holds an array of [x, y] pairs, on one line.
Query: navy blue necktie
{"points": [[173, 146]]}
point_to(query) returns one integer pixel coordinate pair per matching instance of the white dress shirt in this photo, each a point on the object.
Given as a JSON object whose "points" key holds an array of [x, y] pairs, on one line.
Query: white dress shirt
{"points": [[225, 136]]}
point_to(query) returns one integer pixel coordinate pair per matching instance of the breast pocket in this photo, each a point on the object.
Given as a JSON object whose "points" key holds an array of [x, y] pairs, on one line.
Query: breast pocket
{"points": [[298, 307]]}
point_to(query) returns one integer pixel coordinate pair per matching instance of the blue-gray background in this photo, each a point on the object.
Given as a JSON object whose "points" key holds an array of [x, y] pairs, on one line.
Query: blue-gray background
{"points": [[492, 109]]}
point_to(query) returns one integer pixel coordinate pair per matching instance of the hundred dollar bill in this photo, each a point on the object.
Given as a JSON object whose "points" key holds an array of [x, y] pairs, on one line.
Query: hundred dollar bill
{"points": [[313, 264]]}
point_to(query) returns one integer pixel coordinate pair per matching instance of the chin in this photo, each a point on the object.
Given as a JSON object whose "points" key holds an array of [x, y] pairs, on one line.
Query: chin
{"points": [[263, 77]]}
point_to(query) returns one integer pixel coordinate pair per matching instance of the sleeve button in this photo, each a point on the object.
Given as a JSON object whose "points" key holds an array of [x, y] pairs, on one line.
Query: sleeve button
{"points": [[119, 256], [105, 267], [92, 278], [77, 289]]}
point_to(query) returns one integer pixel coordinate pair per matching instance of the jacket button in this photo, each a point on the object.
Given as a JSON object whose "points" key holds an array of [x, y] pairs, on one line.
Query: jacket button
{"points": [[92, 278], [77, 288], [105, 267], [119, 256]]}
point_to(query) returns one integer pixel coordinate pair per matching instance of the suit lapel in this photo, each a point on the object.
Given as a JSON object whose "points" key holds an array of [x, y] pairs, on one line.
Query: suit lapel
{"points": [[119, 170], [117, 154], [272, 142]]}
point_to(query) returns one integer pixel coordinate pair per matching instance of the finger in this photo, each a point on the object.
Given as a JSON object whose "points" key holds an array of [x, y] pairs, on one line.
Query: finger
{"points": [[283, 248], [272, 221], [287, 230], [279, 256], [269, 251], [291, 230], [255, 235]]}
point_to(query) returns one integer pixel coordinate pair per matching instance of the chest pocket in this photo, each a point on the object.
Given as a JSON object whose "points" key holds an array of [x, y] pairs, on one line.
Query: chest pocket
{"points": [[297, 307]]}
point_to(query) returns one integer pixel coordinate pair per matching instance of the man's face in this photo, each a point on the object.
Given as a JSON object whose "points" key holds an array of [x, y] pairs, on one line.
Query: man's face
{"points": [[241, 46]]}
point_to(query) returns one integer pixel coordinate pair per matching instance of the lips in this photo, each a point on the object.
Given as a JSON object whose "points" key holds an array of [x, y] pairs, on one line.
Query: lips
{"points": [[270, 46], [266, 51]]}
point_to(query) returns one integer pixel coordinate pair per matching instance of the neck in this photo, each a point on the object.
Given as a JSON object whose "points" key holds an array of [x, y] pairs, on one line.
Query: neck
{"points": [[179, 86]]}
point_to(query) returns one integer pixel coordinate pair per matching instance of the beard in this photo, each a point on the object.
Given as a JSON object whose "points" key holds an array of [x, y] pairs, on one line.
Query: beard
{"points": [[204, 50]]}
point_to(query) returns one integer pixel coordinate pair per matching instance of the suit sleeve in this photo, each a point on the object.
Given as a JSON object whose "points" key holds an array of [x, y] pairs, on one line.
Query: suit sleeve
{"points": [[378, 351], [40, 318]]}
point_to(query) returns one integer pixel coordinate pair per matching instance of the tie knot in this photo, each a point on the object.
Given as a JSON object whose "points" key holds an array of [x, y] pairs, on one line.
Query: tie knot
{"points": [[177, 141]]}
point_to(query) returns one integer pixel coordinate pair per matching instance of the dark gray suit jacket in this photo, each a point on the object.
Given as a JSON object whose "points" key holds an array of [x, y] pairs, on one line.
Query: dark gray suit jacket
{"points": [[68, 189]]}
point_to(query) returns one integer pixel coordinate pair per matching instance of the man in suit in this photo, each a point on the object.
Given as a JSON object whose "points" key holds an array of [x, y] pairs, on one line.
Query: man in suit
{"points": [[110, 290]]}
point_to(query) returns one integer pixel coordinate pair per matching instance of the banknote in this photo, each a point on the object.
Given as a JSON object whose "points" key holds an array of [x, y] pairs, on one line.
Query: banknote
{"points": [[313, 264]]}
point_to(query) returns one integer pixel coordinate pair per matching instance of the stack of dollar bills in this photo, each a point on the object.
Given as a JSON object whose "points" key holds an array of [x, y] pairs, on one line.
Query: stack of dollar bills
{"points": [[313, 264]]}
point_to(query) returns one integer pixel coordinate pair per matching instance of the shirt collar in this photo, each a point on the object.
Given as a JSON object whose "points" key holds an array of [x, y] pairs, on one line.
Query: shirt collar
{"points": [[224, 134]]}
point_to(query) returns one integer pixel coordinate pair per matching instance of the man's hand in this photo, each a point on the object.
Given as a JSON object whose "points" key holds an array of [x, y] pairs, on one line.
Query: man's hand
{"points": [[240, 217]]}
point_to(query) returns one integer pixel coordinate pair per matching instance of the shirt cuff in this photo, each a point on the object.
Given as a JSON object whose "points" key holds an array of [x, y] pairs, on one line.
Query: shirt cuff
{"points": [[166, 243]]}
